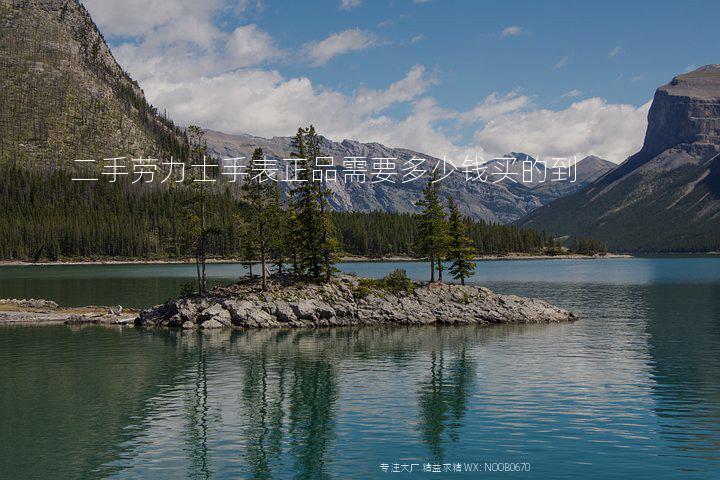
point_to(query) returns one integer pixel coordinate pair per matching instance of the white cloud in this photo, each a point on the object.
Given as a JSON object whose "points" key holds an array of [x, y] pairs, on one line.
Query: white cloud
{"points": [[417, 38], [615, 52], [495, 105], [248, 45], [349, 4], [266, 103], [572, 94], [511, 31], [352, 40], [215, 78], [561, 63], [592, 126]]}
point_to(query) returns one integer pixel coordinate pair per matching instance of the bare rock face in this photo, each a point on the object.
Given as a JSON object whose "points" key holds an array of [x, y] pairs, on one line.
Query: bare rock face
{"points": [[666, 197], [686, 110], [345, 302]]}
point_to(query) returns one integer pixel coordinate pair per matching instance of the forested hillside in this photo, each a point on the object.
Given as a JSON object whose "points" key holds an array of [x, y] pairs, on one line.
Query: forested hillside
{"points": [[64, 97], [48, 216]]}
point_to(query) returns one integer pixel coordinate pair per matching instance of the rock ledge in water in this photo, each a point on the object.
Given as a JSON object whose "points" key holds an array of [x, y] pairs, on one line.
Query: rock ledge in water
{"points": [[346, 301]]}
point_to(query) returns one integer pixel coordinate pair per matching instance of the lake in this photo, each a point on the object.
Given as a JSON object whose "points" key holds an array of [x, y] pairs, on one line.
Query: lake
{"points": [[630, 391]]}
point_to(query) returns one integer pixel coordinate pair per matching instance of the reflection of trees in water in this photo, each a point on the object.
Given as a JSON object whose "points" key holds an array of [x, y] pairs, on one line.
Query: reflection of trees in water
{"points": [[312, 400], [263, 407], [289, 389], [290, 386], [442, 401], [289, 401], [684, 342], [196, 433]]}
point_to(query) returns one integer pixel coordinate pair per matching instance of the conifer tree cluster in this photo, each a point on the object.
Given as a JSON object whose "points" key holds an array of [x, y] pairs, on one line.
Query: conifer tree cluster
{"points": [[309, 219], [441, 239]]}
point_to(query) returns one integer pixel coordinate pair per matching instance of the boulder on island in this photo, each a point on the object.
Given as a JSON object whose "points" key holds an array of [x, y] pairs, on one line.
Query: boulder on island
{"points": [[346, 301]]}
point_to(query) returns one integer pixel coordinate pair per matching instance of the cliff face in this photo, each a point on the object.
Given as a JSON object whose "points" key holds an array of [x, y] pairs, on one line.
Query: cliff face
{"points": [[666, 197], [64, 96], [501, 202]]}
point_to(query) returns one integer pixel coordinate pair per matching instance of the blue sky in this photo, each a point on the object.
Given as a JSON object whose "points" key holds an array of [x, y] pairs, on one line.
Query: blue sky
{"points": [[442, 77]]}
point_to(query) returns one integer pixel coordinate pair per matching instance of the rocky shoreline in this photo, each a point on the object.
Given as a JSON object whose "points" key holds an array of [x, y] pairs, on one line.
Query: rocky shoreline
{"points": [[46, 312], [347, 301]]}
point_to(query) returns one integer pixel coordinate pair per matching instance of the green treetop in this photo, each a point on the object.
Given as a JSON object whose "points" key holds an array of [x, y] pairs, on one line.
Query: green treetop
{"points": [[461, 249]]}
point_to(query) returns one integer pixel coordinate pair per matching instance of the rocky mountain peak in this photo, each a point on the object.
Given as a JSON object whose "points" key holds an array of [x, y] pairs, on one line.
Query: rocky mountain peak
{"points": [[685, 111]]}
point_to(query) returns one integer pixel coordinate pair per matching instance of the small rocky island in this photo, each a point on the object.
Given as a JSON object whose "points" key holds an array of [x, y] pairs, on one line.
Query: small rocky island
{"points": [[346, 301]]}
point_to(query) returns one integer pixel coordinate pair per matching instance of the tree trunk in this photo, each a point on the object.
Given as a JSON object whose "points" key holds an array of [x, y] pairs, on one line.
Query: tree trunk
{"points": [[197, 266], [432, 269], [263, 273]]}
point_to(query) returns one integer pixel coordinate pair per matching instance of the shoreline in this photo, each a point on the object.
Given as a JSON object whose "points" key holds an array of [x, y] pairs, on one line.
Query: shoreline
{"points": [[32, 312], [342, 259], [346, 300]]}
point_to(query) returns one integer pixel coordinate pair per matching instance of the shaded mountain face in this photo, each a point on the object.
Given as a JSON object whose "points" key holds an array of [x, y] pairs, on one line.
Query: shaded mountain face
{"points": [[502, 202], [62, 94], [666, 197]]}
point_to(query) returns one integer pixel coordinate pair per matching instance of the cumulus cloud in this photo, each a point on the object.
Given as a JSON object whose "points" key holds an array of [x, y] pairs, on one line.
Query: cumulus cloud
{"points": [[224, 80], [512, 31], [351, 40], [592, 126], [248, 45]]}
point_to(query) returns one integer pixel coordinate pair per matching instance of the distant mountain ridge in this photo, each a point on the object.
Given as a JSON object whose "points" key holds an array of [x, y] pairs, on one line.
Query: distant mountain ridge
{"points": [[64, 97], [666, 197], [501, 202]]}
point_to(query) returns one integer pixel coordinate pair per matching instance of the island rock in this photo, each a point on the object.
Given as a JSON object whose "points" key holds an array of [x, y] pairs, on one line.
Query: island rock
{"points": [[347, 301]]}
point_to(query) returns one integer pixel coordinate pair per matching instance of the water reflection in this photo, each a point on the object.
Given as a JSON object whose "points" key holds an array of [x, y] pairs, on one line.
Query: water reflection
{"points": [[633, 384], [684, 342], [442, 400]]}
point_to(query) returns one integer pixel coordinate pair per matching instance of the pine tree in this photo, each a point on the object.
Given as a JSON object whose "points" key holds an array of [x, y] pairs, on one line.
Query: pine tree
{"points": [[262, 212], [198, 225], [312, 224], [280, 243], [461, 250], [432, 227], [325, 243]]}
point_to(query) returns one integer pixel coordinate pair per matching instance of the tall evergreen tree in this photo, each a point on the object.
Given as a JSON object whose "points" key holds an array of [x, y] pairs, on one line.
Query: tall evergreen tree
{"points": [[313, 224], [325, 242], [262, 211], [461, 250], [197, 221], [279, 248], [433, 238]]}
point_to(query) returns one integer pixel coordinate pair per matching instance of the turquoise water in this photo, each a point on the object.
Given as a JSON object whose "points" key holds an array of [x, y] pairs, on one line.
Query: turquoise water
{"points": [[630, 391]]}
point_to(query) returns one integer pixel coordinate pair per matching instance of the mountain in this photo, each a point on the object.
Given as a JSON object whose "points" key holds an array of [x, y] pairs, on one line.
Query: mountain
{"points": [[503, 202], [586, 170], [666, 197], [64, 96]]}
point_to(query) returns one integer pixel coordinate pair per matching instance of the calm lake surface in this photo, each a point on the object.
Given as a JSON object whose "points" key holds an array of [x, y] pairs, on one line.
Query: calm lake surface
{"points": [[630, 391]]}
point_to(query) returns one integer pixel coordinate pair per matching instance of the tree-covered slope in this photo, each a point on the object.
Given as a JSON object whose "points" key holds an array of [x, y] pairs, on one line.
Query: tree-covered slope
{"points": [[64, 97]]}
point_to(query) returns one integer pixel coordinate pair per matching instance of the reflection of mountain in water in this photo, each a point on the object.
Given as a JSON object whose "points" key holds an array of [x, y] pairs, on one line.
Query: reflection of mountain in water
{"points": [[686, 372]]}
